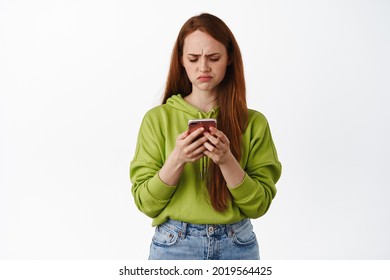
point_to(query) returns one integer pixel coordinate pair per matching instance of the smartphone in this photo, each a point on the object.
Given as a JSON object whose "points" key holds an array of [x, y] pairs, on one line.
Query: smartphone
{"points": [[197, 123]]}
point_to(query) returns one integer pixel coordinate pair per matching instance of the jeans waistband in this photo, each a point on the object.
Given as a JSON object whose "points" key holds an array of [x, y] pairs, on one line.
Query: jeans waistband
{"points": [[185, 229]]}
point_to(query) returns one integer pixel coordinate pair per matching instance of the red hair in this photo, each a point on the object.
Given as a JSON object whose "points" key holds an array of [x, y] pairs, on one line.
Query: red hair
{"points": [[233, 114]]}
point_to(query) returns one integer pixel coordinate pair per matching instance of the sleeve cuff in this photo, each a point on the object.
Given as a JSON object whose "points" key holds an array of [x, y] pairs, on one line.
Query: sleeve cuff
{"points": [[159, 189], [245, 189]]}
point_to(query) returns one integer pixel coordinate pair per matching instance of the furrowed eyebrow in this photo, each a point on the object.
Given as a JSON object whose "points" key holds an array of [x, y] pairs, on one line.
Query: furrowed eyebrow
{"points": [[207, 55]]}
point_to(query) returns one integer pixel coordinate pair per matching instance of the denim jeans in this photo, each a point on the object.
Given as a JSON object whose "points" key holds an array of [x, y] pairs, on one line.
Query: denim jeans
{"points": [[175, 240]]}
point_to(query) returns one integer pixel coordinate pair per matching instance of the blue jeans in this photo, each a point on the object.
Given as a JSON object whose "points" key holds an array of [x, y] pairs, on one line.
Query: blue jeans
{"points": [[174, 240]]}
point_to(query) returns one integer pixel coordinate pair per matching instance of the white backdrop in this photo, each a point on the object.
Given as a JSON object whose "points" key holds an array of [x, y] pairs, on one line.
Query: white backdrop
{"points": [[76, 78]]}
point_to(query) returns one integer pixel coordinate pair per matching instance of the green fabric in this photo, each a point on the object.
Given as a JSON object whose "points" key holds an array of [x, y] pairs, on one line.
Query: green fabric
{"points": [[189, 200]]}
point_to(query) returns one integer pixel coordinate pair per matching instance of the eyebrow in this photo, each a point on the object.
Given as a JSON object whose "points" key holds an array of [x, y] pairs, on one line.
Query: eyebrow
{"points": [[207, 55]]}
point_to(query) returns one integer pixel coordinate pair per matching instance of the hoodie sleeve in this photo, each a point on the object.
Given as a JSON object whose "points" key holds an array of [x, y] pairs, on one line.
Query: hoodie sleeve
{"points": [[151, 195], [255, 193]]}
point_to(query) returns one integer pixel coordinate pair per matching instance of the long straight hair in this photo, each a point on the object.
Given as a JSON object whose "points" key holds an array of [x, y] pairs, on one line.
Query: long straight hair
{"points": [[233, 114]]}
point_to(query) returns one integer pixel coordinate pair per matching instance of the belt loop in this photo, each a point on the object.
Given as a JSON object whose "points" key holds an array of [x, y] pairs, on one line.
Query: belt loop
{"points": [[229, 230], [183, 231]]}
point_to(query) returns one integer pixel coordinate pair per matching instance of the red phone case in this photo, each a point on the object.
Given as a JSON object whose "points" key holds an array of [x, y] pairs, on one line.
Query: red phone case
{"points": [[206, 123]]}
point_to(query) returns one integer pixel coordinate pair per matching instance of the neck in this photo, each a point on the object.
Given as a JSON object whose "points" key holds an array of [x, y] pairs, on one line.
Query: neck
{"points": [[204, 101]]}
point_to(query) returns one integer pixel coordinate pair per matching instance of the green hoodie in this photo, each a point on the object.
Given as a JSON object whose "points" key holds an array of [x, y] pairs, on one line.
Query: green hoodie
{"points": [[189, 200]]}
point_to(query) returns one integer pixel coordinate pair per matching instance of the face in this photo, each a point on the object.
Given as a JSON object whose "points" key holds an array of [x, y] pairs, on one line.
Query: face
{"points": [[205, 60]]}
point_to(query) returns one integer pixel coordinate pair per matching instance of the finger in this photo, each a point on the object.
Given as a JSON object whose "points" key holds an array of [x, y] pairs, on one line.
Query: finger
{"points": [[208, 154], [195, 134], [196, 154], [217, 134], [199, 141], [183, 135], [209, 147], [199, 150], [213, 157], [213, 139]]}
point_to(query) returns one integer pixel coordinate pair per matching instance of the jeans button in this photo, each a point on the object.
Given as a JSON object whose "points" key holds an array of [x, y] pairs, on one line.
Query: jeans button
{"points": [[211, 229]]}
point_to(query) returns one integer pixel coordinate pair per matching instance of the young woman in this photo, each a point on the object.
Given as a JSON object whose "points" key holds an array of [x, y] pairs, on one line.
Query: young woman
{"points": [[202, 188]]}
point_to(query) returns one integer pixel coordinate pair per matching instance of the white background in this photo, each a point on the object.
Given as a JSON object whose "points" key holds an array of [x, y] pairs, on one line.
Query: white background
{"points": [[76, 78]]}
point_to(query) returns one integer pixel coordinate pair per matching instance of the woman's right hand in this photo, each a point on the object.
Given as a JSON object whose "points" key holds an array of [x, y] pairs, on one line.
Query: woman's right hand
{"points": [[189, 148]]}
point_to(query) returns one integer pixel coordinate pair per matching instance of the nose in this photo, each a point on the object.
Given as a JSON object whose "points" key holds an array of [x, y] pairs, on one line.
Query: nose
{"points": [[204, 65]]}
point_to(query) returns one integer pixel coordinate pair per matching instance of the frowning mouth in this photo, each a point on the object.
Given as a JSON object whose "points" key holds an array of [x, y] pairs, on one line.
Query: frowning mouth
{"points": [[204, 78]]}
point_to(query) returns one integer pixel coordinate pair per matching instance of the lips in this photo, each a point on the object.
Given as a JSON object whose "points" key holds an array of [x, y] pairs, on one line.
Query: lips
{"points": [[204, 78]]}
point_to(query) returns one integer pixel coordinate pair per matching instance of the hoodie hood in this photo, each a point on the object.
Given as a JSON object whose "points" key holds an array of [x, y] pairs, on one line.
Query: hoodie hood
{"points": [[177, 102]]}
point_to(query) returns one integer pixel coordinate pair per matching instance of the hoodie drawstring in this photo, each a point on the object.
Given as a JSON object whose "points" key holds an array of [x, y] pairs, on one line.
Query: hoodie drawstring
{"points": [[203, 161], [203, 167]]}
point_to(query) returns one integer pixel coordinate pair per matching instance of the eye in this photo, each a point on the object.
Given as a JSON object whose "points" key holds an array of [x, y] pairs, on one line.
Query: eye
{"points": [[214, 59], [192, 58]]}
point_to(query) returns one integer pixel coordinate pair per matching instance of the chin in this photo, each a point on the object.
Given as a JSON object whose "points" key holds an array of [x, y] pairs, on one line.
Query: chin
{"points": [[207, 88]]}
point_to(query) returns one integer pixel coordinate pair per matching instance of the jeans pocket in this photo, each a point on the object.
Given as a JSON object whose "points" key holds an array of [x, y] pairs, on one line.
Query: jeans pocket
{"points": [[244, 236], [164, 236]]}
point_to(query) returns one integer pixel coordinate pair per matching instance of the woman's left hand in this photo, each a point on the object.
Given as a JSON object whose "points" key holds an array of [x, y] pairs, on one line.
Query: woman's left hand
{"points": [[218, 149], [218, 146]]}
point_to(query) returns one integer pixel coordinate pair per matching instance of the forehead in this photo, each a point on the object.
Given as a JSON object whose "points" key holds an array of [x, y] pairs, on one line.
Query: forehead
{"points": [[199, 42]]}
